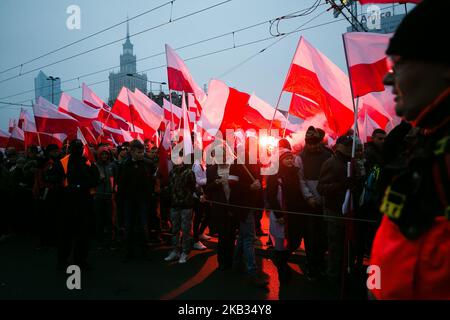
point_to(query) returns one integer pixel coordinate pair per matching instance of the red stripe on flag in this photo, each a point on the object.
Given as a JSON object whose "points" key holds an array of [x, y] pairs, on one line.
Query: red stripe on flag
{"points": [[367, 78], [306, 83]]}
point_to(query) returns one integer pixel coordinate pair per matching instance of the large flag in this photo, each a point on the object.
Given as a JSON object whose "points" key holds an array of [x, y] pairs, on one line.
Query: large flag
{"points": [[32, 137], [172, 113], [86, 150], [259, 114], [224, 109], [110, 119], [317, 78], [84, 113], [50, 120], [17, 139], [4, 138], [149, 112], [367, 61], [303, 107], [179, 76], [11, 125], [91, 99], [121, 106]]}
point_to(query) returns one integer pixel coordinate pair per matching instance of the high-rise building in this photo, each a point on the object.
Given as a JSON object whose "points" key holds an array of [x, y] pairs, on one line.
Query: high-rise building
{"points": [[127, 76], [48, 89]]}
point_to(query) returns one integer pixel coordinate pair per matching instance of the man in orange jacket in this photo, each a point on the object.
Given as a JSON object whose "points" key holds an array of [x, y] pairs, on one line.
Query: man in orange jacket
{"points": [[412, 245]]}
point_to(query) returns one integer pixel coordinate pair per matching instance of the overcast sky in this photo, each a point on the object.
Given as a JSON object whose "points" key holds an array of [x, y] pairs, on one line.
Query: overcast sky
{"points": [[31, 28]]}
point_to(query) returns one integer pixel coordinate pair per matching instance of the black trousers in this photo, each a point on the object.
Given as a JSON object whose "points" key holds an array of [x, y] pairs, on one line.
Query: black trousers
{"points": [[226, 228], [201, 218], [74, 223]]}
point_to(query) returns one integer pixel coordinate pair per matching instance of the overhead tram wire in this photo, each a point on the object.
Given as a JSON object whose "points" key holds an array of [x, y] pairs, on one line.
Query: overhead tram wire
{"points": [[115, 41], [283, 36], [87, 37], [163, 52], [215, 52]]}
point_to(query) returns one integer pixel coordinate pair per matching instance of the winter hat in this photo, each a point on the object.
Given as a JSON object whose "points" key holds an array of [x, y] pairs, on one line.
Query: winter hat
{"points": [[421, 34], [311, 136]]}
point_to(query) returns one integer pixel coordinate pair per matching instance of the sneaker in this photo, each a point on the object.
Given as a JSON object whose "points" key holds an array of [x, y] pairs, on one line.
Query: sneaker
{"points": [[183, 258], [204, 237], [172, 256], [199, 246]]}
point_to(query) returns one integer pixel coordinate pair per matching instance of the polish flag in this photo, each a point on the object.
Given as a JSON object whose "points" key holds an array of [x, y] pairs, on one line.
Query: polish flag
{"points": [[91, 99], [317, 78], [105, 115], [11, 125], [122, 105], [4, 139], [259, 114], [367, 61], [84, 113], [32, 137], [86, 150], [303, 107], [17, 139], [168, 110], [104, 131], [50, 120], [224, 108], [179, 76], [148, 111]]}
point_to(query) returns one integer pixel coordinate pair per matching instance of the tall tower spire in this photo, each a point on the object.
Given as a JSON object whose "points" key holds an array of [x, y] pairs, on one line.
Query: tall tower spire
{"points": [[128, 46], [128, 28]]}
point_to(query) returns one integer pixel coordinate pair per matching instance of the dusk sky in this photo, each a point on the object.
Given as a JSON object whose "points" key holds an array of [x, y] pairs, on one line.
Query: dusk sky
{"points": [[31, 28]]}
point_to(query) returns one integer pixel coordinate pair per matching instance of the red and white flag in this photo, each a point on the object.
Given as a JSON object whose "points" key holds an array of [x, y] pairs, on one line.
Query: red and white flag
{"points": [[224, 108], [91, 99], [32, 137], [121, 106], [172, 113], [4, 139], [11, 125], [367, 61], [48, 119], [316, 77], [303, 107], [259, 114], [149, 113], [17, 139], [84, 113], [179, 76], [86, 150]]}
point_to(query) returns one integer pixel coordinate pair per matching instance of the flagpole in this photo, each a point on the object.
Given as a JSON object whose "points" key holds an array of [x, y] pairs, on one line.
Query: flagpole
{"points": [[282, 89], [39, 137], [348, 224], [285, 127], [172, 123]]}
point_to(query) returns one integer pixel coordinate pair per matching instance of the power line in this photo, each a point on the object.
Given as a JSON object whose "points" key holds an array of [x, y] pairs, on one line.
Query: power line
{"points": [[115, 41], [87, 37], [204, 55], [163, 52], [214, 52], [272, 44]]}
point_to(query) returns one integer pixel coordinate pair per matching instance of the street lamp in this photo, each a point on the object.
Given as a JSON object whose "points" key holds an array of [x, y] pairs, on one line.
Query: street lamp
{"points": [[160, 83], [52, 79]]}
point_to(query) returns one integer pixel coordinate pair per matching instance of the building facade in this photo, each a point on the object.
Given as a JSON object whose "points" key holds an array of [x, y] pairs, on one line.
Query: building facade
{"points": [[127, 75], [48, 89]]}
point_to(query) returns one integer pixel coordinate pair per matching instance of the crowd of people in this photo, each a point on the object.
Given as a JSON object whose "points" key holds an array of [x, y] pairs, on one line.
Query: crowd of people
{"points": [[122, 200], [389, 198]]}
